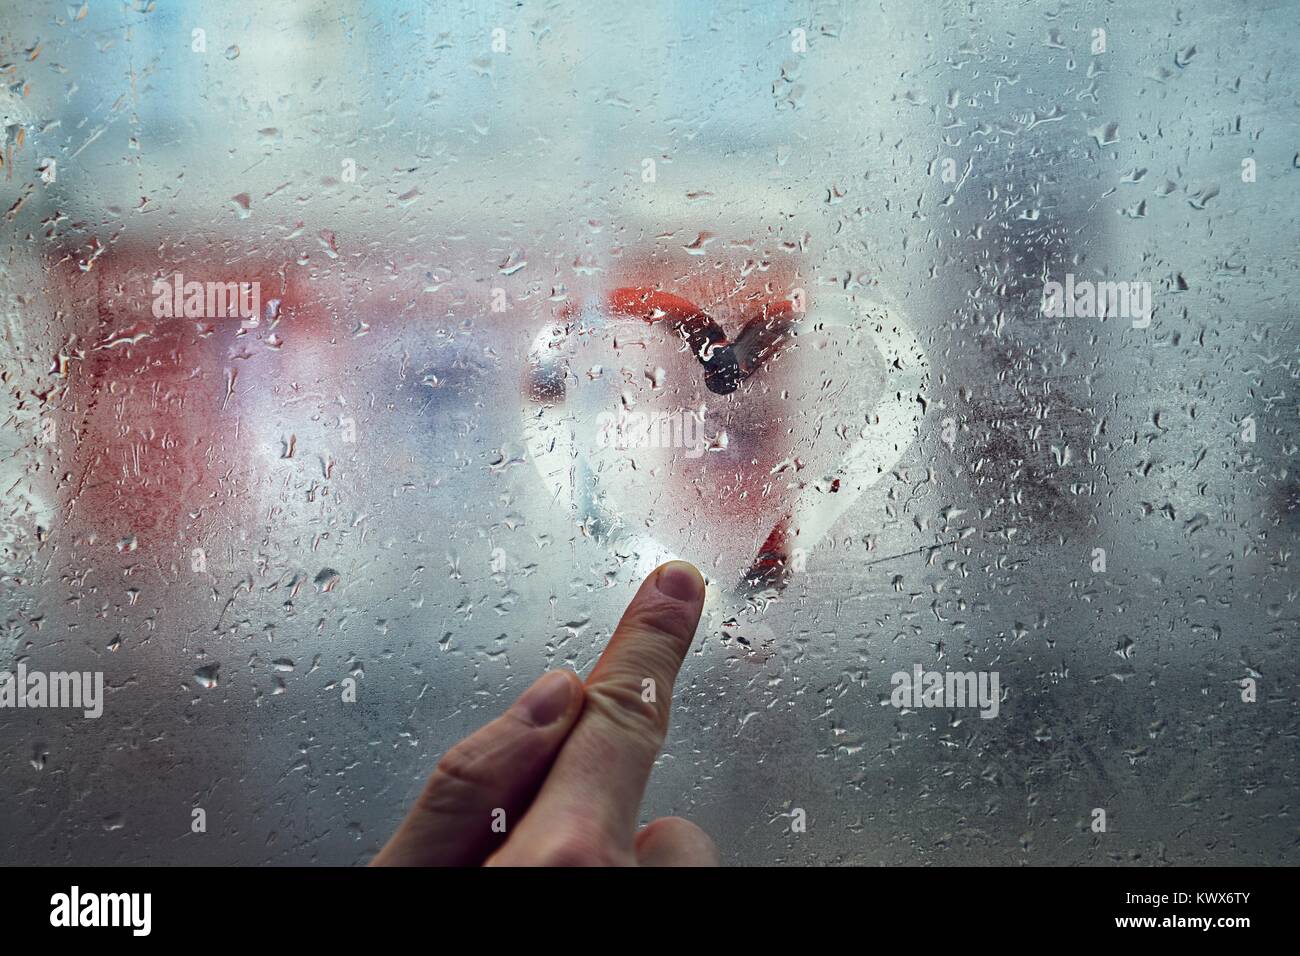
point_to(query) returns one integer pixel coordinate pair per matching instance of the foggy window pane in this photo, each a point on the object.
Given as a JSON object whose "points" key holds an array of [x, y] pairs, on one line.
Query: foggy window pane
{"points": [[345, 391]]}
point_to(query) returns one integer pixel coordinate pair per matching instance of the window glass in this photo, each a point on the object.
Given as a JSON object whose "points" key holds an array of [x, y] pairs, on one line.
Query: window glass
{"points": [[338, 404]]}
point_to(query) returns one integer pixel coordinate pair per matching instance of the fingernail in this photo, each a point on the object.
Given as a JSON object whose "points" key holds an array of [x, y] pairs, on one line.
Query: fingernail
{"points": [[680, 581], [547, 699]]}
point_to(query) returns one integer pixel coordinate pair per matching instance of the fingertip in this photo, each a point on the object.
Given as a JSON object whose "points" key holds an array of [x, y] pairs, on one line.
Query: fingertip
{"points": [[550, 697], [670, 601], [681, 581]]}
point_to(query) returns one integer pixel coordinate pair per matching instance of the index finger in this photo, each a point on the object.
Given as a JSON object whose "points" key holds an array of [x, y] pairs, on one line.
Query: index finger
{"points": [[599, 777]]}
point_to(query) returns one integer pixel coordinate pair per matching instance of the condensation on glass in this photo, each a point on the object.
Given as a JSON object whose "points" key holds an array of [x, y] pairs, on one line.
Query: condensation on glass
{"points": [[343, 395]]}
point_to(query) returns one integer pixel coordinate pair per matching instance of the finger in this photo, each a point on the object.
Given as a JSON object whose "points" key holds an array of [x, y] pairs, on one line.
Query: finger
{"points": [[594, 790], [672, 841], [485, 783]]}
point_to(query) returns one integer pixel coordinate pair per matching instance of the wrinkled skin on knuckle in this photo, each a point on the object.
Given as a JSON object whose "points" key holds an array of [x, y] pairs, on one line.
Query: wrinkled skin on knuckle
{"points": [[465, 768], [470, 763], [657, 656], [618, 702], [664, 618], [452, 779]]}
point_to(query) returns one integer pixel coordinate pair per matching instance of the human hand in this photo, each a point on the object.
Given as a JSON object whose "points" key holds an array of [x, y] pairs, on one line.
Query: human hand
{"points": [[567, 764]]}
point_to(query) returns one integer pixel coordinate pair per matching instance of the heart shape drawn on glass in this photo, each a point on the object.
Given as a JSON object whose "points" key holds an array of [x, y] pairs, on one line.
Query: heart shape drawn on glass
{"points": [[792, 520]]}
